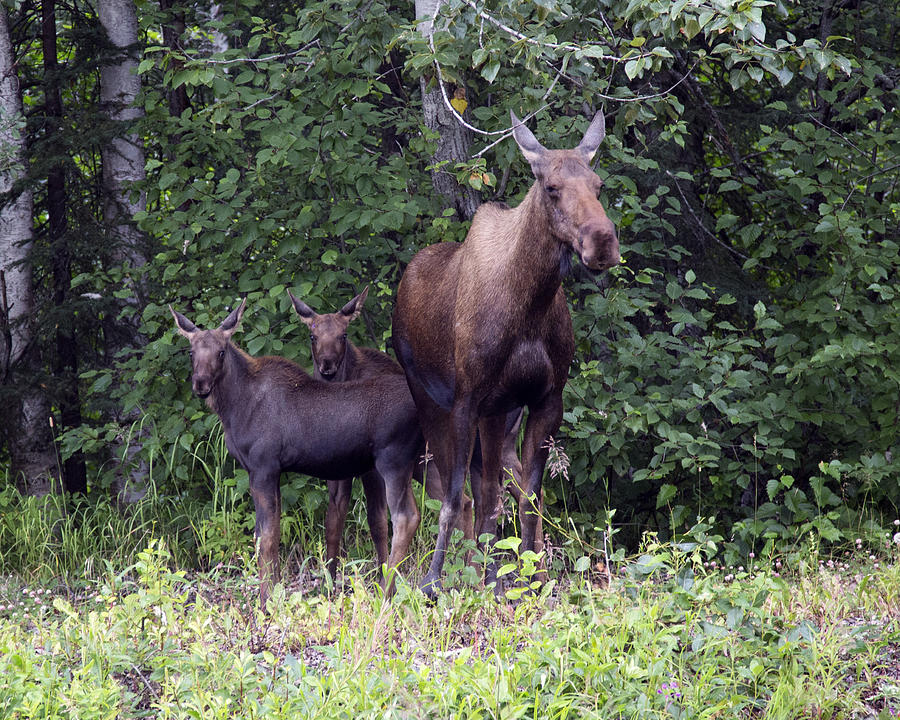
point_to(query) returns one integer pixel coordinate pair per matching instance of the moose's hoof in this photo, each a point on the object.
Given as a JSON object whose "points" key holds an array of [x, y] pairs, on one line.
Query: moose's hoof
{"points": [[431, 588]]}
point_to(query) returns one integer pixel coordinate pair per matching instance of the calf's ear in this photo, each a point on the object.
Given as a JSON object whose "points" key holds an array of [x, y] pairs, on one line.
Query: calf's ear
{"points": [[353, 308], [184, 326], [306, 313], [230, 324]]}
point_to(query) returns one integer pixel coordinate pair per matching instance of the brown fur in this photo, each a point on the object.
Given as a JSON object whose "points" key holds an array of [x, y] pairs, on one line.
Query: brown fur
{"points": [[482, 328], [334, 352]]}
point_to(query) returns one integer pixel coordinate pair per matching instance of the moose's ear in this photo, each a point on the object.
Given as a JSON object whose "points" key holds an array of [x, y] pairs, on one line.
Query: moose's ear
{"points": [[182, 324], [230, 324], [531, 149], [353, 308], [593, 137], [306, 313]]}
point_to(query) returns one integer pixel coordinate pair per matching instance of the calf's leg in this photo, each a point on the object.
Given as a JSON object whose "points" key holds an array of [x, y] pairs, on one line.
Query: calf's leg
{"points": [[335, 517], [376, 513], [266, 493], [491, 431], [404, 516]]}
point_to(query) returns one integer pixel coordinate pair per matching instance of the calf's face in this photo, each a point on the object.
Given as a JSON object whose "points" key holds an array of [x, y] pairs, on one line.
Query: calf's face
{"points": [[328, 334], [208, 348]]}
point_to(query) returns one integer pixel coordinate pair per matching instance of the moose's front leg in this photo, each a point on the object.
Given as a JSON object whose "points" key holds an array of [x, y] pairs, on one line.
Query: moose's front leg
{"points": [[543, 421], [487, 498], [266, 492], [452, 440]]}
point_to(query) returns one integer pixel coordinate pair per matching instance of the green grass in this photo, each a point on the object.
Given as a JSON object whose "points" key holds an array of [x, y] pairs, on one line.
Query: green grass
{"points": [[151, 611], [667, 638]]}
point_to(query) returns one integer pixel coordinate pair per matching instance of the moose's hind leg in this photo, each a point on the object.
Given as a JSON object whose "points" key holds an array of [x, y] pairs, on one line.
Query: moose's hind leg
{"points": [[335, 517], [376, 513], [404, 516]]}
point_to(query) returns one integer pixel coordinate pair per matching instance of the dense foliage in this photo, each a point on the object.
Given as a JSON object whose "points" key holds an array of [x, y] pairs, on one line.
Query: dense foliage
{"points": [[741, 363]]}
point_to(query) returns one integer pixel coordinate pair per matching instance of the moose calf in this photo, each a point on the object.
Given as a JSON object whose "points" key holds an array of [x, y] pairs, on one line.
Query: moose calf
{"points": [[277, 418]]}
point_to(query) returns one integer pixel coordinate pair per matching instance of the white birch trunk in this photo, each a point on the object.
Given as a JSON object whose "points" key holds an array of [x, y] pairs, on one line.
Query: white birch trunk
{"points": [[123, 167], [123, 156], [26, 424]]}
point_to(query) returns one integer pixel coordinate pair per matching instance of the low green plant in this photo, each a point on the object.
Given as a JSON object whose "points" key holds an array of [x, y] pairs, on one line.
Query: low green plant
{"points": [[670, 637]]}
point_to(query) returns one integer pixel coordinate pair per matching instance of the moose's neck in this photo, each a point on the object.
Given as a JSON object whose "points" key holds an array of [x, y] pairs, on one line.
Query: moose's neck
{"points": [[232, 389], [538, 260], [349, 365]]}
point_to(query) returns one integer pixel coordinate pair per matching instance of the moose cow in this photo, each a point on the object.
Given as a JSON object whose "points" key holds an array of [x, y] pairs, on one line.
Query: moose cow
{"points": [[277, 418], [337, 359], [483, 327]]}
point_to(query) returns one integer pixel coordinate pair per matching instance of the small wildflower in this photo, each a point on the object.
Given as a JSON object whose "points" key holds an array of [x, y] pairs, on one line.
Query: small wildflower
{"points": [[896, 523], [752, 555], [897, 538]]}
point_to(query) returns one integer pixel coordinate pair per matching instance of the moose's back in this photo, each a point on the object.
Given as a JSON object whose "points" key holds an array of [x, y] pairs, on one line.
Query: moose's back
{"points": [[340, 426]]}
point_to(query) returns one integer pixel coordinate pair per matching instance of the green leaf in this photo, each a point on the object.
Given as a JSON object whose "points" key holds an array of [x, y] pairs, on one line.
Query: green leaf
{"points": [[666, 493], [509, 543], [329, 257], [489, 71]]}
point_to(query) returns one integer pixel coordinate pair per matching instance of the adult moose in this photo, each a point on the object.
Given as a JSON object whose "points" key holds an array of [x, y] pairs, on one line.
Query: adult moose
{"points": [[277, 418], [482, 327], [337, 359]]}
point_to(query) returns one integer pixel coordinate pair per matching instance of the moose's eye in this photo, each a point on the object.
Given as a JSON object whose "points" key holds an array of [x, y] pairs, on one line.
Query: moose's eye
{"points": [[221, 354], [344, 336], [552, 191], [312, 338], [191, 354]]}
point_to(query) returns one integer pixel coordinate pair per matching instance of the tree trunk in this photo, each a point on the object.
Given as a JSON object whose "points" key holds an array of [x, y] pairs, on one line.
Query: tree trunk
{"points": [[454, 138], [123, 170], [173, 31], [26, 425], [65, 366], [123, 155]]}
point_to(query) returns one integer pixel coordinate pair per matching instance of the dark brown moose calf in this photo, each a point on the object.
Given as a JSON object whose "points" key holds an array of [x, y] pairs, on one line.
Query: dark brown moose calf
{"points": [[337, 359], [482, 327], [277, 418]]}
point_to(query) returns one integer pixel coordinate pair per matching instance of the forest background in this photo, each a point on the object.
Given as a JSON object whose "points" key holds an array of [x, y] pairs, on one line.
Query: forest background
{"points": [[740, 367]]}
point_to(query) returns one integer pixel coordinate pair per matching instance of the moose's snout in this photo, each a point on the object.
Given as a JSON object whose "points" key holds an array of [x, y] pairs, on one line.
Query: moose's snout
{"points": [[599, 245], [328, 367], [202, 387]]}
